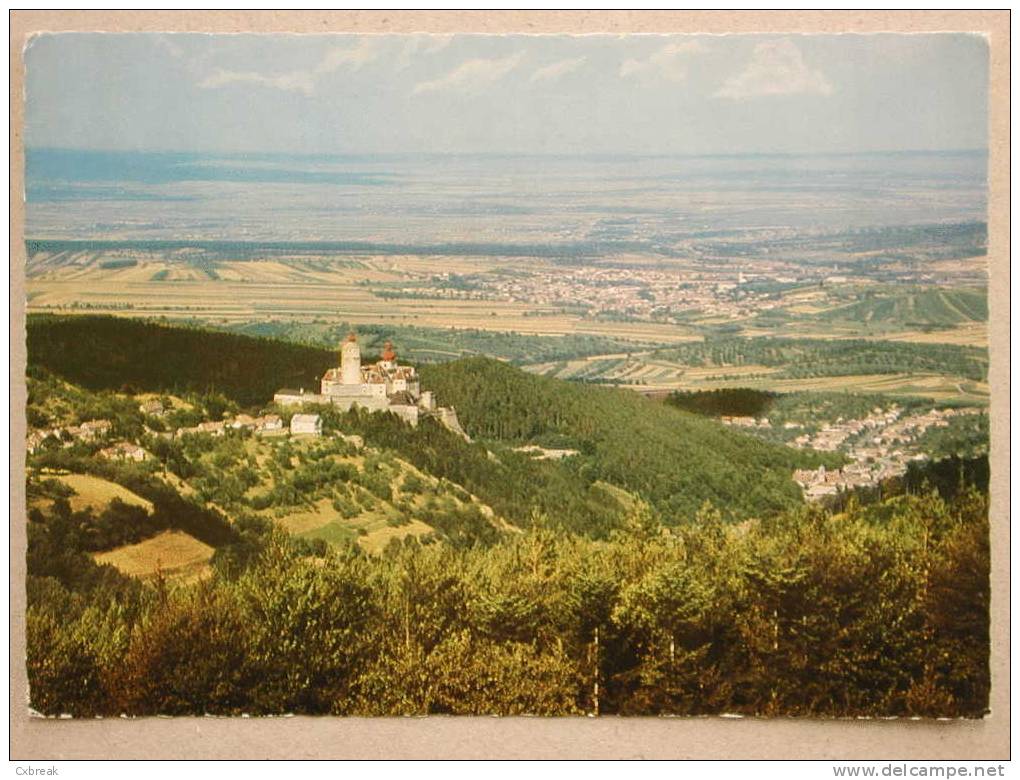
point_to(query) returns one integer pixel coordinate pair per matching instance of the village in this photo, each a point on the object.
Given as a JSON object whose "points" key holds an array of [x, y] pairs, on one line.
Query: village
{"points": [[638, 293], [880, 445], [101, 431]]}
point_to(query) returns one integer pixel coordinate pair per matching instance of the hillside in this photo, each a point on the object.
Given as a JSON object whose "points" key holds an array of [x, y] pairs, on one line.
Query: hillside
{"points": [[672, 459], [111, 353]]}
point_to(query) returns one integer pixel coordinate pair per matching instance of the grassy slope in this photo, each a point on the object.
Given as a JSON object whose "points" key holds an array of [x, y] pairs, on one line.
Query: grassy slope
{"points": [[173, 553], [95, 493]]}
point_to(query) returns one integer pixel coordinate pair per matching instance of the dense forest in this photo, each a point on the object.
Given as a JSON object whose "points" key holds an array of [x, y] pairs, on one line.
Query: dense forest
{"points": [[115, 353], [880, 610], [735, 401]]}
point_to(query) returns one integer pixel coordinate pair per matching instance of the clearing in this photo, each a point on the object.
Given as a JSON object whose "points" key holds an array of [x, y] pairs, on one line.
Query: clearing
{"points": [[95, 493], [174, 553]]}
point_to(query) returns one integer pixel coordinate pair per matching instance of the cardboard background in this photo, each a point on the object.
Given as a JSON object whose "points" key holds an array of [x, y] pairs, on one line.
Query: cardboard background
{"points": [[487, 737]]}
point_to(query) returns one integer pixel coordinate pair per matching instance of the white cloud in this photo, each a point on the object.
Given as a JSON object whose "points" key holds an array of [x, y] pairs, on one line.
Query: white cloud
{"points": [[670, 62], [352, 58], [421, 44], [556, 69], [775, 68], [472, 75], [295, 81]]}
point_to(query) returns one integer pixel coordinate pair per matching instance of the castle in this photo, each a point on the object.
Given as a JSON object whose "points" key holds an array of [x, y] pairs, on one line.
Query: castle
{"points": [[385, 386]]}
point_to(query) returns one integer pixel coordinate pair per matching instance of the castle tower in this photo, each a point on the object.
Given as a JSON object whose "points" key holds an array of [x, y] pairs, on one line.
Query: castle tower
{"points": [[389, 357], [350, 361]]}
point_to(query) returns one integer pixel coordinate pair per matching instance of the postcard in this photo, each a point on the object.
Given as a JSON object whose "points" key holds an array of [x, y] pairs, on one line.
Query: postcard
{"points": [[584, 376]]}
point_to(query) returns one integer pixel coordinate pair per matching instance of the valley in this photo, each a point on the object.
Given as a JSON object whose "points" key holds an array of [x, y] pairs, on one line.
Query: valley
{"points": [[618, 319], [671, 435]]}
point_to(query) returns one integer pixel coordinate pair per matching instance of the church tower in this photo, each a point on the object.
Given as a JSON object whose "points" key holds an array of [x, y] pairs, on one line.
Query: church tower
{"points": [[350, 361]]}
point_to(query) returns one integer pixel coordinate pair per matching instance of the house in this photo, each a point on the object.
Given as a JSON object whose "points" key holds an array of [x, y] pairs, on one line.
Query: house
{"points": [[124, 450], [821, 489], [269, 423], [306, 423], [35, 440], [97, 427], [215, 427], [806, 477], [90, 430], [243, 422]]}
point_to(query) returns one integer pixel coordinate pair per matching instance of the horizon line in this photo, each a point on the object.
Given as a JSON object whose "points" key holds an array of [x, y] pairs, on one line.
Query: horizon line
{"points": [[578, 154]]}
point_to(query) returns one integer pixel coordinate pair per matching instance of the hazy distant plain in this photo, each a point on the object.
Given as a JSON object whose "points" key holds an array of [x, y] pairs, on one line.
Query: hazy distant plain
{"points": [[434, 199], [890, 228]]}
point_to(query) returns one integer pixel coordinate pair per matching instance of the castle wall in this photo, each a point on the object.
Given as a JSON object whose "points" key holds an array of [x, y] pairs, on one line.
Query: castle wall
{"points": [[292, 399], [362, 389], [407, 413], [369, 403]]}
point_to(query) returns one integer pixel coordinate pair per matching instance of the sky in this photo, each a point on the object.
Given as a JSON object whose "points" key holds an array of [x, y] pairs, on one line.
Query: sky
{"points": [[507, 94]]}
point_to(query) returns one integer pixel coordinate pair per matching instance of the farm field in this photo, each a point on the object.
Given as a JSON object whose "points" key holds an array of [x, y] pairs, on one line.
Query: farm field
{"points": [[972, 334], [173, 553], [932, 386], [229, 302], [95, 493], [416, 290], [941, 307], [649, 375]]}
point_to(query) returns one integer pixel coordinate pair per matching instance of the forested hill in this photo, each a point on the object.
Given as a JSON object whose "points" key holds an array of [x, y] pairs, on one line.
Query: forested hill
{"points": [[114, 353], [672, 458]]}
